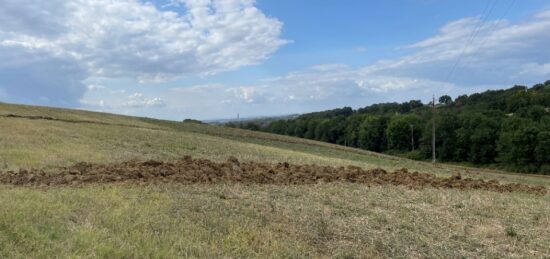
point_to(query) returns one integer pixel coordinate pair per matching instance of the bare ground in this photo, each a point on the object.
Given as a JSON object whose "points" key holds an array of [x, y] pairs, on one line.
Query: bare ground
{"points": [[190, 171]]}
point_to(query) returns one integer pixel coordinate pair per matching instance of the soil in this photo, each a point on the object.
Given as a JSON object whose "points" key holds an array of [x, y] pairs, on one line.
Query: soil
{"points": [[191, 171]]}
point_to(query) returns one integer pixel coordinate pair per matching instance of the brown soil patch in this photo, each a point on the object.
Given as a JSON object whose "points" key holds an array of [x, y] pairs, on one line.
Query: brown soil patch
{"points": [[189, 171]]}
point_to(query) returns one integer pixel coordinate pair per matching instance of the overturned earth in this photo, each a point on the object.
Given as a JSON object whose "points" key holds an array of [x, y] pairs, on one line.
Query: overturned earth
{"points": [[190, 171]]}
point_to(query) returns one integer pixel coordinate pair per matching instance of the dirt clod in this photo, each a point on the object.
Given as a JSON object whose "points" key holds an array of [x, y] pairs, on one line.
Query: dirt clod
{"points": [[190, 171], [233, 160], [456, 176]]}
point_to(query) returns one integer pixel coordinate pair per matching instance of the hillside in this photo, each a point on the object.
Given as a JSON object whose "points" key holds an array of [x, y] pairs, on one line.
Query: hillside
{"points": [[232, 219], [506, 129]]}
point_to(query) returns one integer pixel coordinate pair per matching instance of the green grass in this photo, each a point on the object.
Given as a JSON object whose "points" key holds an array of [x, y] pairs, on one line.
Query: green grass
{"points": [[262, 221]]}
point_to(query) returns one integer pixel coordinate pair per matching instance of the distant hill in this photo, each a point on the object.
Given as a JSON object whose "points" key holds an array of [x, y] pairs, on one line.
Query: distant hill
{"points": [[508, 129], [261, 120]]}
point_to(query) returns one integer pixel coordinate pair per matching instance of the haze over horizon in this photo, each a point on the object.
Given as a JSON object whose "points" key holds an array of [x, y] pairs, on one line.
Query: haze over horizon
{"points": [[212, 59]]}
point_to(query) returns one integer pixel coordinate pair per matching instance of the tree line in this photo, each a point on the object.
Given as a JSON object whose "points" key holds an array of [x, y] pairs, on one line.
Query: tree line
{"points": [[508, 129]]}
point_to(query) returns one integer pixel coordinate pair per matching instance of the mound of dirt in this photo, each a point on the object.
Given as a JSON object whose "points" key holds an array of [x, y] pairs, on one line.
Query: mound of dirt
{"points": [[189, 171]]}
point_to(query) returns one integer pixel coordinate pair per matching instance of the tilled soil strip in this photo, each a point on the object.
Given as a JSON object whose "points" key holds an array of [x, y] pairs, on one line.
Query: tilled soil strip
{"points": [[189, 171]]}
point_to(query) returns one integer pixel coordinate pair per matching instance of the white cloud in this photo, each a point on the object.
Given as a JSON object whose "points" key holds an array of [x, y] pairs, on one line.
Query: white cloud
{"points": [[197, 88], [495, 56], [386, 84], [137, 100], [535, 69], [132, 39], [135, 96], [129, 38], [94, 87], [247, 94], [330, 67], [100, 104]]}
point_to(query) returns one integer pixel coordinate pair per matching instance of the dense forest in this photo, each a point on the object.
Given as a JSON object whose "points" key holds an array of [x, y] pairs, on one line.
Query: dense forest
{"points": [[508, 129]]}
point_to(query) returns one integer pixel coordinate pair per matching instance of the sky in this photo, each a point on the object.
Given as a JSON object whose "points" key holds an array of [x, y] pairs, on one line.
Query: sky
{"points": [[214, 59]]}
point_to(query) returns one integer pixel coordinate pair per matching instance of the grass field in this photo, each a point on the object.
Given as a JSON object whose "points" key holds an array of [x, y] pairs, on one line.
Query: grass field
{"points": [[234, 220]]}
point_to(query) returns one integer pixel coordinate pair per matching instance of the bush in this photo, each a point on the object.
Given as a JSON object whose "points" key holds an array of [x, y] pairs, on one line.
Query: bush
{"points": [[511, 232]]}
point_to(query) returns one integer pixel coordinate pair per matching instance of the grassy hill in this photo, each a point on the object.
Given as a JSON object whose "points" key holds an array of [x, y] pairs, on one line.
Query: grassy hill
{"points": [[234, 220]]}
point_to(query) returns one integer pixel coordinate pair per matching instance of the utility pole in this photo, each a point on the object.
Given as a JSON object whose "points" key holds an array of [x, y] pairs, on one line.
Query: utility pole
{"points": [[433, 131], [412, 136], [239, 120]]}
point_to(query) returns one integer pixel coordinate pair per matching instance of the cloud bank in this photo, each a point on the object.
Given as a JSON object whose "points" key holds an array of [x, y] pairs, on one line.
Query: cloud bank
{"points": [[501, 55], [49, 47]]}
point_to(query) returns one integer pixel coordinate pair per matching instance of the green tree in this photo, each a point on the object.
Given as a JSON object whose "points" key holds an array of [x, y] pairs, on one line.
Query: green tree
{"points": [[351, 131], [461, 100], [252, 126], [446, 140], [399, 132], [542, 151], [476, 138], [534, 112], [414, 104], [278, 127], [445, 99], [300, 129], [372, 133], [311, 126], [321, 131], [518, 99], [290, 128], [516, 148], [336, 127]]}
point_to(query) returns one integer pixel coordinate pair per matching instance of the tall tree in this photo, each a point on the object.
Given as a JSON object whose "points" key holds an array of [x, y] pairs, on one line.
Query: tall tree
{"points": [[372, 133], [542, 151], [399, 132], [445, 99]]}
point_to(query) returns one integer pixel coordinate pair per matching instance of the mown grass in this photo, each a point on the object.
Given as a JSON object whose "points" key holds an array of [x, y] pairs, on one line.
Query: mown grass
{"points": [[325, 220], [239, 221]]}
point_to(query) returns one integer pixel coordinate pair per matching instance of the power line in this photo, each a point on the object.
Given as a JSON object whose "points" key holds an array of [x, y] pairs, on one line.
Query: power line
{"points": [[492, 28], [486, 13], [484, 16], [477, 28]]}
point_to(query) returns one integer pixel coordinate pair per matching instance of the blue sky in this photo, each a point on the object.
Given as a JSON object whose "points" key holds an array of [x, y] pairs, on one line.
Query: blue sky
{"points": [[210, 59]]}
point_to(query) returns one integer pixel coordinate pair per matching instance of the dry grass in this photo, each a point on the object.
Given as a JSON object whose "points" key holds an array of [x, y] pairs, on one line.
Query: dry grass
{"points": [[198, 221], [326, 220]]}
